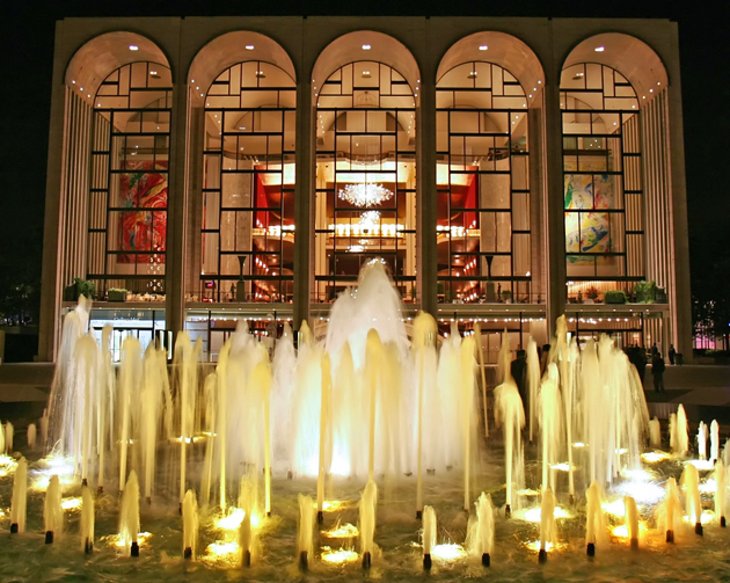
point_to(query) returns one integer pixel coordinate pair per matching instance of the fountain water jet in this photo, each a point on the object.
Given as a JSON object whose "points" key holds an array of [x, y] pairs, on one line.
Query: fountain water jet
{"points": [[533, 386], [480, 539], [547, 523], [714, 440], [690, 481], [720, 492], [30, 435], [595, 518], [190, 525], [679, 433], [510, 415], [9, 435], [18, 505], [468, 365], [367, 510], [424, 357], [702, 435], [86, 528], [129, 515], [550, 425], [305, 543], [429, 535], [632, 521], [669, 512], [655, 433], [52, 510]]}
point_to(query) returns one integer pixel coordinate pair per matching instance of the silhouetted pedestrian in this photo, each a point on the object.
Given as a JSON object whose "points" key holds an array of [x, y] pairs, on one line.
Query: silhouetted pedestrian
{"points": [[672, 353], [657, 370]]}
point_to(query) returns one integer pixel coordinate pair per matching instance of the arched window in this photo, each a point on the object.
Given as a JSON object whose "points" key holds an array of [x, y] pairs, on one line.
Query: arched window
{"points": [[365, 205], [603, 195], [127, 205], [247, 229], [483, 224]]}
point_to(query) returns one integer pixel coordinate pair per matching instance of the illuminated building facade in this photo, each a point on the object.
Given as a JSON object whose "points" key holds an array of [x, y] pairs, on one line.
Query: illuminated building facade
{"points": [[507, 170]]}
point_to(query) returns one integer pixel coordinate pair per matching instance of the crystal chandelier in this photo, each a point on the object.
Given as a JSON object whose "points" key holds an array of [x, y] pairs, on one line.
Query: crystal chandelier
{"points": [[365, 194]]}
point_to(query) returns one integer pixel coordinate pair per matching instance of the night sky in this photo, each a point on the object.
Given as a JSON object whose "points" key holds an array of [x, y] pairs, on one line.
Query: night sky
{"points": [[26, 37]]}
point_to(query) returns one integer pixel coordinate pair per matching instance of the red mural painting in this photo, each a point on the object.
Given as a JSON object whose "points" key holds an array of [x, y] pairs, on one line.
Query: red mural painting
{"points": [[144, 227]]}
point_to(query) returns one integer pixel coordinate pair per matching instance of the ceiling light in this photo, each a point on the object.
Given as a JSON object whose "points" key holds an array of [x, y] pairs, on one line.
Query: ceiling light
{"points": [[365, 194], [367, 74], [249, 47], [260, 74], [153, 72], [472, 75], [600, 49], [483, 47], [366, 47], [133, 48]]}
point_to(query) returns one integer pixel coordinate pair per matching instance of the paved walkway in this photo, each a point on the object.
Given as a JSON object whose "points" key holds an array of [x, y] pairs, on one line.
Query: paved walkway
{"points": [[704, 390]]}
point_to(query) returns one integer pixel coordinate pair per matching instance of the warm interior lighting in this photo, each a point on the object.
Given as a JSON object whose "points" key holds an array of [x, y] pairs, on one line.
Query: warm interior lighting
{"points": [[483, 47], [133, 48], [249, 47], [365, 194], [366, 47], [600, 49]]}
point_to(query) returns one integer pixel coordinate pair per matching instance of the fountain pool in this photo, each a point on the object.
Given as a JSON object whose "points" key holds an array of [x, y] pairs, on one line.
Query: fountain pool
{"points": [[335, 448]]}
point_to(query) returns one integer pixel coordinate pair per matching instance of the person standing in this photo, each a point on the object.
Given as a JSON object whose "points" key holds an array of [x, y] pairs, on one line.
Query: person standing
{"points": [[657, 370], [672, 354]]}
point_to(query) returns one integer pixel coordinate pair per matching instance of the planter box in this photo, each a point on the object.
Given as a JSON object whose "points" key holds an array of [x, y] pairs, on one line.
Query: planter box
{"points": [[615, 297], [117, 295]]}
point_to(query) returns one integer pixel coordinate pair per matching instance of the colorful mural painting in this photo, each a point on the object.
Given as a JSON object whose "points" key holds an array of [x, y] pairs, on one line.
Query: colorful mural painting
{"points": [[143, 189], [587, 231]]}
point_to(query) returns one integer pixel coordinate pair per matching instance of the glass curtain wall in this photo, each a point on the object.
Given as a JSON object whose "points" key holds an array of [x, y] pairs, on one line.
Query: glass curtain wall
{"points": [[365, 200], [128, 195], [603, 196], [483, 225], [248, 229]]}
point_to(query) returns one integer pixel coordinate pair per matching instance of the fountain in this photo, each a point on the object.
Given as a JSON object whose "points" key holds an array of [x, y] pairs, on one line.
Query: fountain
{"points": [[190, 525], [52, 511], [547, 523], [429, 535], [305, 542], [129, 515], [480, 539], [703, 434], [690, 481], [632, 521], [595, 519], [679, 433], [367, 507], [86, 526], [669, 512], [714, 440], [510, 415], [720, 474], [340, 419], [20, 498]]}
